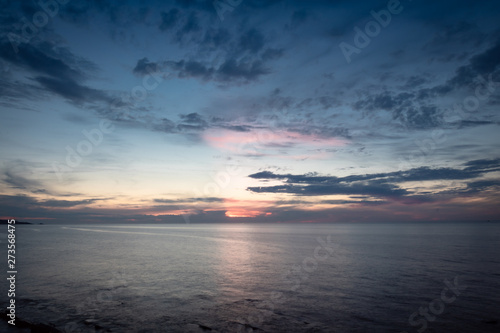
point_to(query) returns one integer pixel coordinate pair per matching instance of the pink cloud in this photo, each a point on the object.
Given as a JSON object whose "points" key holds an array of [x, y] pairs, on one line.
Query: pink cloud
{"points": [[266, 142]]}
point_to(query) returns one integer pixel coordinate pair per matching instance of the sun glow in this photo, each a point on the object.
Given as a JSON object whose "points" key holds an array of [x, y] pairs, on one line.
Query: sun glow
{"points": [[245, 213]]}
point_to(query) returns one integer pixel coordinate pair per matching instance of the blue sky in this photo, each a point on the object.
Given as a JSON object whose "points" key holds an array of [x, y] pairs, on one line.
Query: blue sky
{"points": [[249, 111]]}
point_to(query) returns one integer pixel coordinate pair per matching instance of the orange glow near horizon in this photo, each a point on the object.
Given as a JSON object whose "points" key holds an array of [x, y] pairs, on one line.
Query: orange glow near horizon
{"points": [[245, 213]]}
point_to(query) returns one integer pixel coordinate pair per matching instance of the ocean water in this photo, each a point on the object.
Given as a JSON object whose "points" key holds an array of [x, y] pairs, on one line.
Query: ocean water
{"points": [[259, 278]]}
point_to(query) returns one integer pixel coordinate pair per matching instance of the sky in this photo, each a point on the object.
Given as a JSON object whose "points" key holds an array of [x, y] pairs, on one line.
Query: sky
{"points": [[227, 111]]}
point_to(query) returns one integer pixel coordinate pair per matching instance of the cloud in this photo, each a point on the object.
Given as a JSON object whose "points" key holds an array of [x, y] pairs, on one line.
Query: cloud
{"points": [[220, 56], [372, 189], [169, 19], [240, 69], [190, 200], [251, 41], [164, 125], [195, 4], [228, 71], [192, 121], [66, 203], [322, 131], [420, 104], [481, 186], [145, 67], [474, 123], [35, 59], [419, 117], [272, 54], [72, 91], [405, 107], [270, 142], [19, 182], [215, 39], [32, 203], [384, 101], [380, 185], [472, 169], [462, 33], [63, 74], [21, 201], [298, 18], [59, 73], [192, 25], [191, 69], [119, 14], [483, 64]]}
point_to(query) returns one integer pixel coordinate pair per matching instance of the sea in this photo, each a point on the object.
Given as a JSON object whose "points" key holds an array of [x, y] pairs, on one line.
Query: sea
{"points": [[351, 277]]}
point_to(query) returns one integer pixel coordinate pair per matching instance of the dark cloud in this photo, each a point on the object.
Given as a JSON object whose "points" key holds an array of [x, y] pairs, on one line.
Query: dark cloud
{"points": [[72, 91], [251, 41], [488, 61], [215, 39], [169, 19], [193, 118], [188, 122], [230, 70], [462, 33], [57, 75], [237, 128], [247, 70], [192, 121], [31, 203], [20, 201], [376, 190], [405, 107], [221, 56], [357, 202], [481, 186], [145, 67], [272, 54], [419, 117], [17, 181], [191, 26], [261, 4], [384, 101], [298, 18], [381, 185], [473, 123], [483, 64], [164, 125], [14, 91], [416, 105], [322, 131], [415, 81], [472, 169], [192, 69], [34, 59], [122, 14], [483, 165], [190, 200], [196, 4], [66, 203]]}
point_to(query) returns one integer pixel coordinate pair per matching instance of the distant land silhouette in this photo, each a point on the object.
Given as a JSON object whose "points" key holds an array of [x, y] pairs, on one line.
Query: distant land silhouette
{"points": [[17, 222]]}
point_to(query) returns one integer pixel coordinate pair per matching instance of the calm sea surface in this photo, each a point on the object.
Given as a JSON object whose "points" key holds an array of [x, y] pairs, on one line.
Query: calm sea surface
{"points": [[259, 278]]}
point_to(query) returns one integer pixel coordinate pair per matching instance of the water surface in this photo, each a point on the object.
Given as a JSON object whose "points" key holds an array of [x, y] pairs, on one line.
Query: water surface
{"points": [[258, 277]]}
